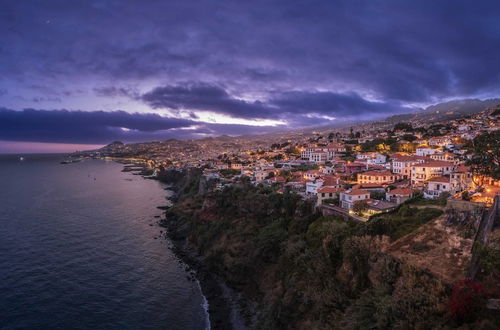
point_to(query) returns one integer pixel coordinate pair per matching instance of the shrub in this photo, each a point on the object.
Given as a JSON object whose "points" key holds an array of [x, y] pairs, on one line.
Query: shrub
{"points": [[467, 298], [269, 240]]}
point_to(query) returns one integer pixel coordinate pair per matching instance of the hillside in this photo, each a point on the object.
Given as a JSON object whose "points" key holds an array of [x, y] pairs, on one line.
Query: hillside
{"points": [[307, 271]]}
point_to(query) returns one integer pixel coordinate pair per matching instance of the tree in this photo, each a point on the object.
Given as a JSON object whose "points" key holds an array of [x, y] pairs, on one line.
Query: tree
{"points": [[359, 207], [485, 156], [403, 127], [409, 137]]}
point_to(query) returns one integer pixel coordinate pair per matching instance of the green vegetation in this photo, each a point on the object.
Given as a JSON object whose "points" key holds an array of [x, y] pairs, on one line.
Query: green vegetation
{"points": [[439, 201], [359, 207], [403, 127], [229, 173], [381, 145], [485, 161], [400, 222], [490, 258], [305, 270]]}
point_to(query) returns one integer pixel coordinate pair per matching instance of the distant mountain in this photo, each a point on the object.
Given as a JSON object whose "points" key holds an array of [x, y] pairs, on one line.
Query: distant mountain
{"points": [[446, 110], [115, 144], [464, 107]]}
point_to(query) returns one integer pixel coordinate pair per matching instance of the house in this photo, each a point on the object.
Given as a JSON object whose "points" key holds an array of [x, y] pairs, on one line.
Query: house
{"points": [[306, 153], [319, 157], [398, 195], [372, 157], [312, 174], [236, 166], [325, 181], [461, 179], [327, 193], [276, 179], [333, 181], [443, 156], [260, 175], [436, 186], [377, 159], [420, 173], [378, 177], [334, 149], [425, 151], [376, 206], [313, 186], [327, 170], [439, 141], [348, 198], [298, 183], [351, 168], [401, 165]]}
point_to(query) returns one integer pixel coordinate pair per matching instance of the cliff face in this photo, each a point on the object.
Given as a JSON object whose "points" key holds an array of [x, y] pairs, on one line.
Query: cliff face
{"points": [[306, 271]]}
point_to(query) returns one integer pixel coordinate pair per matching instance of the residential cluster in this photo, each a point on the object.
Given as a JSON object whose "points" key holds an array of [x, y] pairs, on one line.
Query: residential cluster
{"points": [[363, 170]]}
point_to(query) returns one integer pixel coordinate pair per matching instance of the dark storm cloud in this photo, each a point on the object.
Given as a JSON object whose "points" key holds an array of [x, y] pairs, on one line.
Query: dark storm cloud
{"points": [[81, 126], [204, 97], [332, 104], [406, 51], [283, 106], [103, 127]]}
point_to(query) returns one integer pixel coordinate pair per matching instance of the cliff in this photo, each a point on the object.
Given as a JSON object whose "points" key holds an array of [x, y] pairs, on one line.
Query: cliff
{"points": [[306, 271]]}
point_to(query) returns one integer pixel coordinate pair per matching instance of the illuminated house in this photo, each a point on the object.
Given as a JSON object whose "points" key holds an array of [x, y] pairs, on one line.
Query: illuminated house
{"points": [[398, 195], [378, 177], [420, 173], [436, 186], [348, 198]]}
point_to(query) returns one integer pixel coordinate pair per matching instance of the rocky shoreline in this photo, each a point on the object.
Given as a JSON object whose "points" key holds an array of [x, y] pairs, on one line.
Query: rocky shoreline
{"points": [[224, 305]]}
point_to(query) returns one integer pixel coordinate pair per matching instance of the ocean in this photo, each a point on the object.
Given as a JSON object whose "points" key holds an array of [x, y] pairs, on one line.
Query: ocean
{"points": [[80, 249]]}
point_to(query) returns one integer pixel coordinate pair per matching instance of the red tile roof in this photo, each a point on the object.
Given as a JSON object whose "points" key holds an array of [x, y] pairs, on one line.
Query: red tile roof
{"points": [[330, 190], [439, 179], [357, 192], [401, 191]]}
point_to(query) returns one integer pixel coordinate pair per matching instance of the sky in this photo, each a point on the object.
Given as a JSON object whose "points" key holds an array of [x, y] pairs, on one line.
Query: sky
{"points": [[79, 74]]}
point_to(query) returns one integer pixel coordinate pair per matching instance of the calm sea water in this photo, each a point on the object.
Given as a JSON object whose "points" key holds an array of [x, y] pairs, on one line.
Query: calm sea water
{"points": [[79, 253]]}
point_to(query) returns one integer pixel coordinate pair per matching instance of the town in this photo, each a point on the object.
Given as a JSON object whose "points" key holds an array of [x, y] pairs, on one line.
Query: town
{"points": [[352, 171]]}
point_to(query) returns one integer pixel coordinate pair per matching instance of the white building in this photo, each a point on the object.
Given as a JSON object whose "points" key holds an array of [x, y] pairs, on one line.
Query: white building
{"points": [[348, 198], [319, 157], [436, 186], [401, 165], [425, 151], [420, 173]]}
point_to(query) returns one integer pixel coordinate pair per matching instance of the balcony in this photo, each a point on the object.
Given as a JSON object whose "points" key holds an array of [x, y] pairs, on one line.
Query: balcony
{"points": [[432, 194]]}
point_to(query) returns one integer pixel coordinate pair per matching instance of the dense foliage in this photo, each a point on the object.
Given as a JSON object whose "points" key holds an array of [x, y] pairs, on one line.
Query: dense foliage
{"points": [[309, 271], [485, 155]]}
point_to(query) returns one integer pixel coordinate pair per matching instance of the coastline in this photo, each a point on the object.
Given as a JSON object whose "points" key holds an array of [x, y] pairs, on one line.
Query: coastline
{"points": [[224, 308], [221, 303], [218, 302]]}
